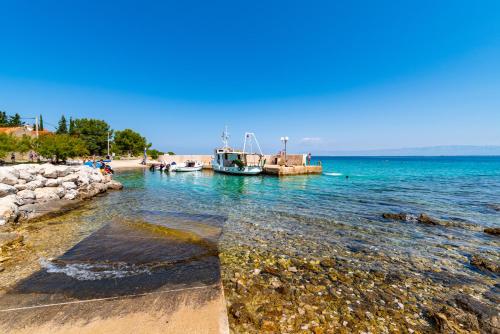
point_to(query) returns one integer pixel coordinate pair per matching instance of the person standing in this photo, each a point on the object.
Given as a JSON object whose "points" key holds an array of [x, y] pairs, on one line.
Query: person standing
{"points": [[13, 158], [309, 156]]}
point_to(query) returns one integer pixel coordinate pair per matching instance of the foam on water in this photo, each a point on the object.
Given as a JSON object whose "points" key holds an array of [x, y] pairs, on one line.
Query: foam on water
{"points": [[332, 174], [94, 271]]}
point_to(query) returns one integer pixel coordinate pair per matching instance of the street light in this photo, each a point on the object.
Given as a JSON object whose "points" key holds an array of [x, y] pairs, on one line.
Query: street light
{"points": [[284, 140]]}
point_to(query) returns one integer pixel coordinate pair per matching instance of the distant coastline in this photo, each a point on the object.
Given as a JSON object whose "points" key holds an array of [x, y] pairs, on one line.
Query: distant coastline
{"points": [[430, 151]]}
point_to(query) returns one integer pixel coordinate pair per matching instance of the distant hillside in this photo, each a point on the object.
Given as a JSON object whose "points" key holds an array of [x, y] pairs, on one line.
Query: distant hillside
{"points": [[421, 151]]}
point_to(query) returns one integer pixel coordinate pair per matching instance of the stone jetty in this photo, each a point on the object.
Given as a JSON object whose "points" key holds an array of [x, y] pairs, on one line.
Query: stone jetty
{"points": [[30, 191]]}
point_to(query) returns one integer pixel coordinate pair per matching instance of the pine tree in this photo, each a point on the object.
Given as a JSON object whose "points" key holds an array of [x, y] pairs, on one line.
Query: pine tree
{"points": [[4, 121], [62, 126], [71, 126], [40, 126], [15, 120]]}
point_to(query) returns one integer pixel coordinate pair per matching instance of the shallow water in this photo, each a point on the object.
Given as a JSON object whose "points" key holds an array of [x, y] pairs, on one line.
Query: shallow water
{"points": [[334, 216], [289, 223]]}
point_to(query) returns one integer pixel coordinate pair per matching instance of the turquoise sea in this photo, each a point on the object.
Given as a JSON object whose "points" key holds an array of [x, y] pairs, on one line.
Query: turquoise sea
{"points": [[331, 209], [301, 252]]}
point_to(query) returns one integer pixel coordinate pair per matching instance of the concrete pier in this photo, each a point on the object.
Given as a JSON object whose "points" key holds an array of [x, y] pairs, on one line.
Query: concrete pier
{"points": [[292, 170], [295, 163]]}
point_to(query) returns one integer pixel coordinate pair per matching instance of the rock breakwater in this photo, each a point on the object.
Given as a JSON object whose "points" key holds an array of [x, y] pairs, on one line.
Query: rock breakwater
{"points": [[29, 191]]}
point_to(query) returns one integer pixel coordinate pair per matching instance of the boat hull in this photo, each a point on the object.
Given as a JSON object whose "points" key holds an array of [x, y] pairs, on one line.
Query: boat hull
{"points": [[247, 170], [188, 169]]}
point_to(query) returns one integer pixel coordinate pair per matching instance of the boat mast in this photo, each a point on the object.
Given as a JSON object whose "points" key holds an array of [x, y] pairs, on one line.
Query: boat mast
{"points": [[225, 138], [249, 136]]}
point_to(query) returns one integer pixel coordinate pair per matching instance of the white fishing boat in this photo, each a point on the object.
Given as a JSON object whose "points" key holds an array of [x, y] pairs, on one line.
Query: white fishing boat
{"points": [[188, 166], [230, 161]]}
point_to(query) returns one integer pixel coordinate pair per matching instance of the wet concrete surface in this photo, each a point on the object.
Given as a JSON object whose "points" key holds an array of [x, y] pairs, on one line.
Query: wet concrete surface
{"points": [[132, 269]]}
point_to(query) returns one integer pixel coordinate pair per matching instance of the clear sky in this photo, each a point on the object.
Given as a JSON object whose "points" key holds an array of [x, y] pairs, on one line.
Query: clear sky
{"points": [[331, 75]]}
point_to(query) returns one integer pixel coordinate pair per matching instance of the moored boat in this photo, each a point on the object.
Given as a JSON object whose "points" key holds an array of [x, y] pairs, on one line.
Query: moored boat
{"points": [[188, 166], [230, 161]]}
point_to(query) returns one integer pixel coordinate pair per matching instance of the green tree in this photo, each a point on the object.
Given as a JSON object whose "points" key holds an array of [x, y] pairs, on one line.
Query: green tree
{"points": [[40, 125], [15, 120], [7, 144], [62, 127], [4, 120], [60, 147], [129, 142], [154, 153], [24, 144], [170, 153], [94, 133], [71, 129]]}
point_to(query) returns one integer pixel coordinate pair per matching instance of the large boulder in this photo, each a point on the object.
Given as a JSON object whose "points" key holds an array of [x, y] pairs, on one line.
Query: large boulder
{"points": [[20, 186], [107, 178], [53, 183], [100, 187], [48, 194], [83, 179], [50, 171], [12, 170], [40, 178], [34, 185], [96, 177], [25, 197], [6, 189], [70, 177], [24, 175], [71, 194], [69, 185], [7, 177], [92, 190], [63, 171], [8, 209], [114, 185], [26, 194]]}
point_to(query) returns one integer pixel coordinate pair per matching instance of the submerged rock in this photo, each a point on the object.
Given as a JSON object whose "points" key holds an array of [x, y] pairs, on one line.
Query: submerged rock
{"points": [[494, 206], [484, 264], [425, 219], [489, 319], [492, 230], [9, 238], [395, 216]]}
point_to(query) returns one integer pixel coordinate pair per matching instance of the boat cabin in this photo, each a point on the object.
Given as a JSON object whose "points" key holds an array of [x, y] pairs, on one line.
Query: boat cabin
{"points": [[227, 159]]}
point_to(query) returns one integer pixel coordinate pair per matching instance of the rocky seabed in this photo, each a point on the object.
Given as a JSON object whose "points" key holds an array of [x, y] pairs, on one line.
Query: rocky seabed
{"points": [[27, 189]]}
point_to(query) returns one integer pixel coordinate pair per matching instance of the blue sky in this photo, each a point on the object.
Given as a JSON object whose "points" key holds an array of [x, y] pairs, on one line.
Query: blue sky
{"points": [[332, 75]]}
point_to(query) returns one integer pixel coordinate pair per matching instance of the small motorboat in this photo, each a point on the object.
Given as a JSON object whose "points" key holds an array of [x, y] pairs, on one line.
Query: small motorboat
{"points": [[188, 166]]}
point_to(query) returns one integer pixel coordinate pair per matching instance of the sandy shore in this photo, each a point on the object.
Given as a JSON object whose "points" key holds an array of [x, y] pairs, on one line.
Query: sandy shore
{"points": [[124, 164]]}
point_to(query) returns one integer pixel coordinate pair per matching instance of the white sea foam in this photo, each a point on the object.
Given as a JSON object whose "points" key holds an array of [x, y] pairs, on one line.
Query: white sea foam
{"points": [[95, 271], [333, 174]]}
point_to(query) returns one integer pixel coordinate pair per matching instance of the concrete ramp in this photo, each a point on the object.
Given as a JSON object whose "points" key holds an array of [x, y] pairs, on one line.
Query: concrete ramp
{"points": [[128, 277]]}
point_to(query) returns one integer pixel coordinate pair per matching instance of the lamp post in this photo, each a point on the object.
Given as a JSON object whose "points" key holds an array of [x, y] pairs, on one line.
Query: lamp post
{"points": [[284, 140]]}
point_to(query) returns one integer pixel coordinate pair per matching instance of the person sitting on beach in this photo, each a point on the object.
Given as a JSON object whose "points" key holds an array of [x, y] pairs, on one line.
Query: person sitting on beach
{"points": [[108, 170], [101, 165]]}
